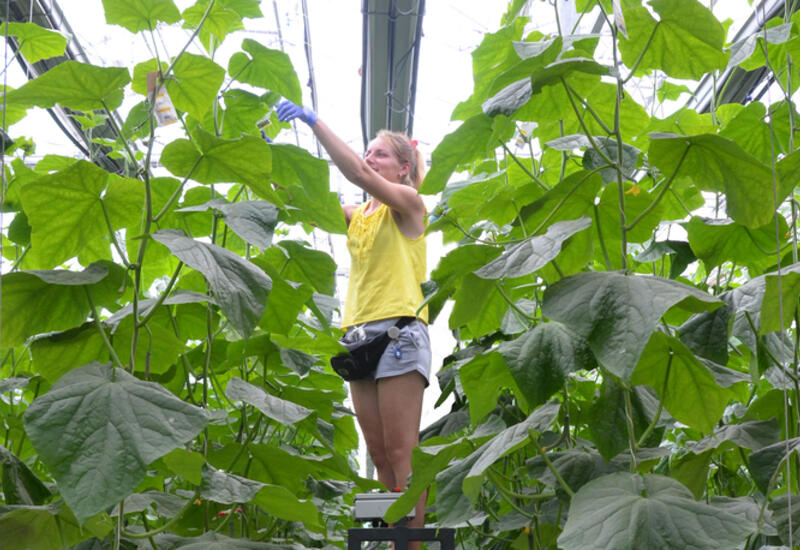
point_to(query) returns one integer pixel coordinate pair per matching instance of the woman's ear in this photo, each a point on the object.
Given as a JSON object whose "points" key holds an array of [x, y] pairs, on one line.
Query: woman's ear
{"points": [[405, 169]]}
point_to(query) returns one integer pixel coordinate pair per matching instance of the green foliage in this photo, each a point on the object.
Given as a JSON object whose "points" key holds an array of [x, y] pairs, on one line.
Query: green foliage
{"points": [[624, 294]]}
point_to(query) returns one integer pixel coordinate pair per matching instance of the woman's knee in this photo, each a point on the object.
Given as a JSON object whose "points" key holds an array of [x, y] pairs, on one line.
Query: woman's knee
{"points": [[379, 456], [398, 453]]}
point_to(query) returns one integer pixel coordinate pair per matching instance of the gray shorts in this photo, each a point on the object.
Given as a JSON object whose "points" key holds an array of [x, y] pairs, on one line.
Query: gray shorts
{"points": [[410, 352]]}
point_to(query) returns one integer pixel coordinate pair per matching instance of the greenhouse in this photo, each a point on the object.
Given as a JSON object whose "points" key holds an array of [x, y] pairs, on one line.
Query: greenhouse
{"points": [[509, 274]]}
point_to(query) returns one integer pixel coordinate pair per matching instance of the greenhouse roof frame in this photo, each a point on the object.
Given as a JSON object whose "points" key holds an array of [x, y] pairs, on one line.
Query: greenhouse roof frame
{"points": [[392, 31]]}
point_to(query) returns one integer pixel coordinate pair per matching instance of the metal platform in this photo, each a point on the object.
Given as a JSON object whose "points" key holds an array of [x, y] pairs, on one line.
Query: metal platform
{"points": [[373, 506], [401, 536]]}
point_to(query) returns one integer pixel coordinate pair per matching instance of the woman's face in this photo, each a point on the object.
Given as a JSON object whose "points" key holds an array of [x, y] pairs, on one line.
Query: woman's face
{"points": [[381, 158]]}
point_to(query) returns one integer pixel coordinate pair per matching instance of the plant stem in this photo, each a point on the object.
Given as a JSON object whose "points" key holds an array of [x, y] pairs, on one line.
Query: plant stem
{"points": [[589, 108], [167, 525], [585, 128], [177, 192], [644, 51], [600, 237], [191, 39], [566, 197], [100, 329], [549, 464], [521, 316], [161, 296], [661, 193], [113, 235], [524, 168], [660, 408], [618, 165], [118, 131], [631, 430]]}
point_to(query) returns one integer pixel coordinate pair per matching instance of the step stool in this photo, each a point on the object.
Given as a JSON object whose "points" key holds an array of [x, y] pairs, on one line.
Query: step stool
{"points": [[373, 506]]}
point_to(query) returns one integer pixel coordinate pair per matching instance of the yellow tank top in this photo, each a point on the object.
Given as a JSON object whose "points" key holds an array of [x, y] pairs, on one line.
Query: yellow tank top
{"points": [[386, 269]]}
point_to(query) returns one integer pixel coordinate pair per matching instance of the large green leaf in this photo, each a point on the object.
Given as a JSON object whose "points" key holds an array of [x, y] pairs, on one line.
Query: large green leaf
{"points": [[304, 181], [743, 49], [716, 241], [227, 488], [686, 41], [282, 411], [608, 217], [748, 129], [532, 253], [426, 463], [97, 430], [195, 84], [766, 462], [787, 519], [572, 198], [609, 419], [718, 164], [628, 511], [483, 379], [75, 85], [679, 252], [456, 264], [495, 197], [266, 68], [506, 442], [20, 484], [245, 160], [542, 357], [253, 221], [163, 504], [56, 353], [66, 210], [35, 42], [706, 334], [157, 347], [593, 158], [240, 288], [780, 301], [616, 313], [470, 141], [303, 264], [218, 21], [140, 15], [34, 302], [243, 111], [47, 527], [687, 388], [751, 434], [495, 55], [285, 302], [479, 306], [555, 72], [279, 502]]}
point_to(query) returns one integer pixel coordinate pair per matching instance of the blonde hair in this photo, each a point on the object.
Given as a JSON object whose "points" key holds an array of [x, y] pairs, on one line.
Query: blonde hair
{"points": [[405, 149]]}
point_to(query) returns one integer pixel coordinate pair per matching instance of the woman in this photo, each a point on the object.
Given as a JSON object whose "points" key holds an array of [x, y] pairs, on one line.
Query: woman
{"points": [[387, 246]]}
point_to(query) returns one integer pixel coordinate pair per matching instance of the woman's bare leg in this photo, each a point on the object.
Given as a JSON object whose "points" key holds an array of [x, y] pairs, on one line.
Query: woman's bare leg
{"points": [[364, 394], [389, 413], [400, 405]]}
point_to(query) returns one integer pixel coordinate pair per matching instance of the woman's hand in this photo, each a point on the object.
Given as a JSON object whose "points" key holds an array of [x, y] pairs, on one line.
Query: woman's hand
{"points": [[287, 111]]}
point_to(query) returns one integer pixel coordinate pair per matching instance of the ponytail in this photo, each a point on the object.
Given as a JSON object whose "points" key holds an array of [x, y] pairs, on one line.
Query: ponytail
{"points": [[406, 150]]}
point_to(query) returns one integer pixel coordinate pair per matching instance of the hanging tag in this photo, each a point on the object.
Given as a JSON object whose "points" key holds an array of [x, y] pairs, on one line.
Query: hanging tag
{"points": [[619, 19], [163, 109]]}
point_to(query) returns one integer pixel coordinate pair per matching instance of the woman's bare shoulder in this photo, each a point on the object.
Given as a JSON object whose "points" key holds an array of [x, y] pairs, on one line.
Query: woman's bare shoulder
{"points": [[348, 210]]}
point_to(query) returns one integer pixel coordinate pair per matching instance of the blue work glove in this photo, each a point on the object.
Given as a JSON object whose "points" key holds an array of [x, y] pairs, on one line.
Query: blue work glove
{"points": [[287, 111]]}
